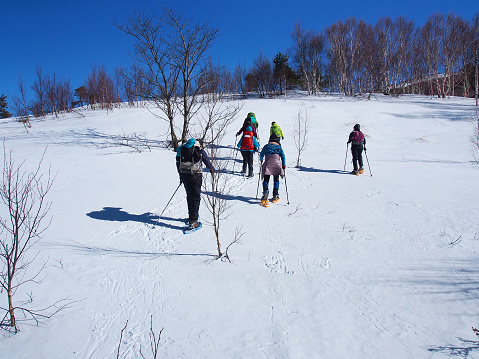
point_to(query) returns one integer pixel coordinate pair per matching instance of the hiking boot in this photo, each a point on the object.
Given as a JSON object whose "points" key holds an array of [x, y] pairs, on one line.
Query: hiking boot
{"points": [[275, 199], [265, 195], [193, 225], [250, 174]]}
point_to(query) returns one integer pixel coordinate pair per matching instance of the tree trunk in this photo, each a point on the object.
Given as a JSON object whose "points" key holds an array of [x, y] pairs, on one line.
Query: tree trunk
{"points": [[477, 84], [10, 307]]}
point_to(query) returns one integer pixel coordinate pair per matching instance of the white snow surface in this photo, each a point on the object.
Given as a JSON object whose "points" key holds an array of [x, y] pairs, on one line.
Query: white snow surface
{"points": [[353, 267]]}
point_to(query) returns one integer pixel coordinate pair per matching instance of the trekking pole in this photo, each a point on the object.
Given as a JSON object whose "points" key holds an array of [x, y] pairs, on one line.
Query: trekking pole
{"points": [[234, 148], [365, 152], [259, 177], [161, 215], [347, 147], [286, 187]]}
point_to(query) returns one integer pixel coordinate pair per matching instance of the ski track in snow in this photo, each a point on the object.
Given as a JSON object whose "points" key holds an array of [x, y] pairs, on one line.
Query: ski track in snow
{"points": [[134, 297]]}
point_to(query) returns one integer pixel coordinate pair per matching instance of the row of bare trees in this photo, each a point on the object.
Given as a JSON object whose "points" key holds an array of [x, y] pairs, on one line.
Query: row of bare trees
{"points": [[352, 56]]}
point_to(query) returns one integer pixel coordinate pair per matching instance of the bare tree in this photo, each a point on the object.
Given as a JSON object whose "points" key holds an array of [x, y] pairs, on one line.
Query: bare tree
{"points": [[455, 30], [262, 75], [308, 54], [475, 44], [475, 139], [39, 92], [217, 187], [189, 44], [300, 133], [299, 48], [50, 92], [154, 340], [344, 53], [20, 105], [218, 117], [432, 36], [24, 196], [239, 76], [171, 50]]}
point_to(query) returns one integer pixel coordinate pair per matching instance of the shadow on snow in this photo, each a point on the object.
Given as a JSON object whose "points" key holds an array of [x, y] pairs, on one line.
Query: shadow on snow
{"points": [[310, 169], [117, 215]]}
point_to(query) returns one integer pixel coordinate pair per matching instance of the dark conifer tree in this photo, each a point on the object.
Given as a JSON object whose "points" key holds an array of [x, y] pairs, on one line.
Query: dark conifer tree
{"points": [[3, 107]]}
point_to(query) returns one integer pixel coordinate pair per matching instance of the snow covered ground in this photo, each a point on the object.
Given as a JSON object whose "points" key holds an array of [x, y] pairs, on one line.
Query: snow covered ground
{"points": [[353, 267]]}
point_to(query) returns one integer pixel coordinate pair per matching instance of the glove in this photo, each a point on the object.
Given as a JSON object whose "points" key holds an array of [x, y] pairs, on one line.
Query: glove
{"points": [[284, 167], [181, 181], [364, 148], [282, 138]]}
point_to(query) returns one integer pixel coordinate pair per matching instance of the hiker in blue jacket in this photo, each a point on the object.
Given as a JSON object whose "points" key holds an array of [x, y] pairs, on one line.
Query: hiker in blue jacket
{"points": [[274, 165], [190, 158]]}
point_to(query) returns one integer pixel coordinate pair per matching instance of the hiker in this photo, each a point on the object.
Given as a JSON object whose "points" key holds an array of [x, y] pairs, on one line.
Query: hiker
{"points": [[248, 122], [358, 142], [248, 144], [275, 129], [190, 158], [254, 121], [274, 165]]}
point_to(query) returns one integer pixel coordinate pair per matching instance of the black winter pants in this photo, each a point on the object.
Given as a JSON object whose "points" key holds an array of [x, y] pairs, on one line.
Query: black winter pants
{"points": [[357, 152], [192, 183], [247, 161]]}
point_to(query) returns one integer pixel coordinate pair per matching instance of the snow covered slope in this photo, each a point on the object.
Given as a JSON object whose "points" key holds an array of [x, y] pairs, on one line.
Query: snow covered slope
{"points": [[353, 267]]}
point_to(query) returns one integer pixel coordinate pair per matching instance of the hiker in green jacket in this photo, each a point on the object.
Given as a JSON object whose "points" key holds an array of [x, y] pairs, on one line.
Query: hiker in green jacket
{"points": [[276, 130]]}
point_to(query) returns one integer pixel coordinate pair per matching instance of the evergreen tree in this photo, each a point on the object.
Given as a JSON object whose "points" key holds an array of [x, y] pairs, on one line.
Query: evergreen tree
{"points": [[284, 75], [3, 107]]}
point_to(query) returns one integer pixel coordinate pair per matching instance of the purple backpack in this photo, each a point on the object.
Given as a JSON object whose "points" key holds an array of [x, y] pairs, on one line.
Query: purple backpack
{"points": [[357, 137]]}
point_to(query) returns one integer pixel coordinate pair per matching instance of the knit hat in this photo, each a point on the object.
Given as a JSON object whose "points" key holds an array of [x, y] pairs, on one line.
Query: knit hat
{"points": [[274, 138]]}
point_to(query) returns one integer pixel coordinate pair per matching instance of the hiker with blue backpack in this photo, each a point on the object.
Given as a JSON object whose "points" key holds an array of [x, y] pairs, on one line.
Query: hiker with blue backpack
{"points": [[358, 143], [190, 158], [248, 144]]}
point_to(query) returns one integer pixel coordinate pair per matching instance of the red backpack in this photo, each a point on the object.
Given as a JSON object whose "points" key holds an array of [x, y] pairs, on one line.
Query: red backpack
{"points": [[247, 142]]}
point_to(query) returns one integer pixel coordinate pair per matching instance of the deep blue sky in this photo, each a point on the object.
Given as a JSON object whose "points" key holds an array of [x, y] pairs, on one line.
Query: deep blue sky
{"points": [[68, 37]]}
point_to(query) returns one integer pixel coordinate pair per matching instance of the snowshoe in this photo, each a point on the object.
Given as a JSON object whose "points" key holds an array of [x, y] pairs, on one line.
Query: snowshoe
{"points": [[275, 199], [193, 227], [356, 173], [250, 175], [361, 171]]}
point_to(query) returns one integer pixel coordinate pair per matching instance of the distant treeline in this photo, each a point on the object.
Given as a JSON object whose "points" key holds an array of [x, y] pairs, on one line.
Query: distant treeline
{"points": [[392, 57]]}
